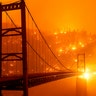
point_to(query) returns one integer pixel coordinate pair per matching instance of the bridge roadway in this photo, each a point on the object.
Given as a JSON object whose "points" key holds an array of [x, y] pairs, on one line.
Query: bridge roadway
{"points": [[16, 82]]}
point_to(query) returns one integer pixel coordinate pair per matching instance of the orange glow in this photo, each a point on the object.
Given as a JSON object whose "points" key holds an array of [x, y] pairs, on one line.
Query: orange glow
{"points": [[65, 32], [86, 75], [75, 60], [55, 33], [94, 73], [87, 70], [81, 44], [68, 14], [61, 31], [67, 21], [74, 48], [61, 50]]}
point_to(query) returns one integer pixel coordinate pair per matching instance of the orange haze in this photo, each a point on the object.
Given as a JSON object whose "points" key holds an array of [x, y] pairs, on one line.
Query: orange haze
{"points": [[63, 14]]}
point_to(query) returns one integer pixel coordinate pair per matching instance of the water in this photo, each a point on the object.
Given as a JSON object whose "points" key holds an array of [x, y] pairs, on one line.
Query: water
{"points": [[63, 87]]}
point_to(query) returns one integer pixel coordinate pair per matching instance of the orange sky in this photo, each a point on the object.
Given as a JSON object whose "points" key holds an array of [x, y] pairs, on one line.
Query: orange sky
{"points": [[63, 14]]}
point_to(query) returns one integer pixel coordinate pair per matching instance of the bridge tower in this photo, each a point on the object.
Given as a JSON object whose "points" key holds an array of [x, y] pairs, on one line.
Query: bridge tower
{"points": [[81, 66], [19, 31], [81, 83]]}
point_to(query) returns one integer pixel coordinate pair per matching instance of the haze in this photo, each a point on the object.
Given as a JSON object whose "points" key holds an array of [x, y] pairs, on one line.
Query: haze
{"points": [[63, 14]]}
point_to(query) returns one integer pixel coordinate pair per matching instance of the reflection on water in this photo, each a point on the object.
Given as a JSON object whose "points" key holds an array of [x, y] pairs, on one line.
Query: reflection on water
{"points": [[12, 93], [81, 86], [91, 89], [64, 87]]}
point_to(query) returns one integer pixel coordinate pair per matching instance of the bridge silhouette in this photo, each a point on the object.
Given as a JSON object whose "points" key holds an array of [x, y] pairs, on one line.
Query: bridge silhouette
{"points": [[26, 58]]}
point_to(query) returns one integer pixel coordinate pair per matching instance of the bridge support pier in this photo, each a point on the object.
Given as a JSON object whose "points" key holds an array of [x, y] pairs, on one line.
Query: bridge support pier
{"points": [[11, 56], [0, 46], [1, 93]]}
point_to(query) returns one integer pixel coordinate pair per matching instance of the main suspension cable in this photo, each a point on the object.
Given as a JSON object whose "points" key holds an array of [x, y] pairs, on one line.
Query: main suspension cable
{"points": [[31, 46], [44, 39]]}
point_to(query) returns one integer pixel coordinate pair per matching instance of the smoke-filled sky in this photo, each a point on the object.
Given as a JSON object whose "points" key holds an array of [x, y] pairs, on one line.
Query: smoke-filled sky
{"points": [[63, 14]]}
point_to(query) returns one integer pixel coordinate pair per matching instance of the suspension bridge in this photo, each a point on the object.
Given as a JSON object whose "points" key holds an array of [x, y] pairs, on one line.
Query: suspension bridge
{"points": [[26, 58]]}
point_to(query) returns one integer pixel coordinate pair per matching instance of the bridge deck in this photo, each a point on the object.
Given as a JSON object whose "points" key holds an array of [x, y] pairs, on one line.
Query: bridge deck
{"points": [[16, 82]]}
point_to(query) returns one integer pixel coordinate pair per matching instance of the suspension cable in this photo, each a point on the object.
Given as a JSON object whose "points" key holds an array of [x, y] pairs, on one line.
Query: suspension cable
{"points": [[10, 19], [40, 34], [44, 38], [31, 46], [41, 57]]}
